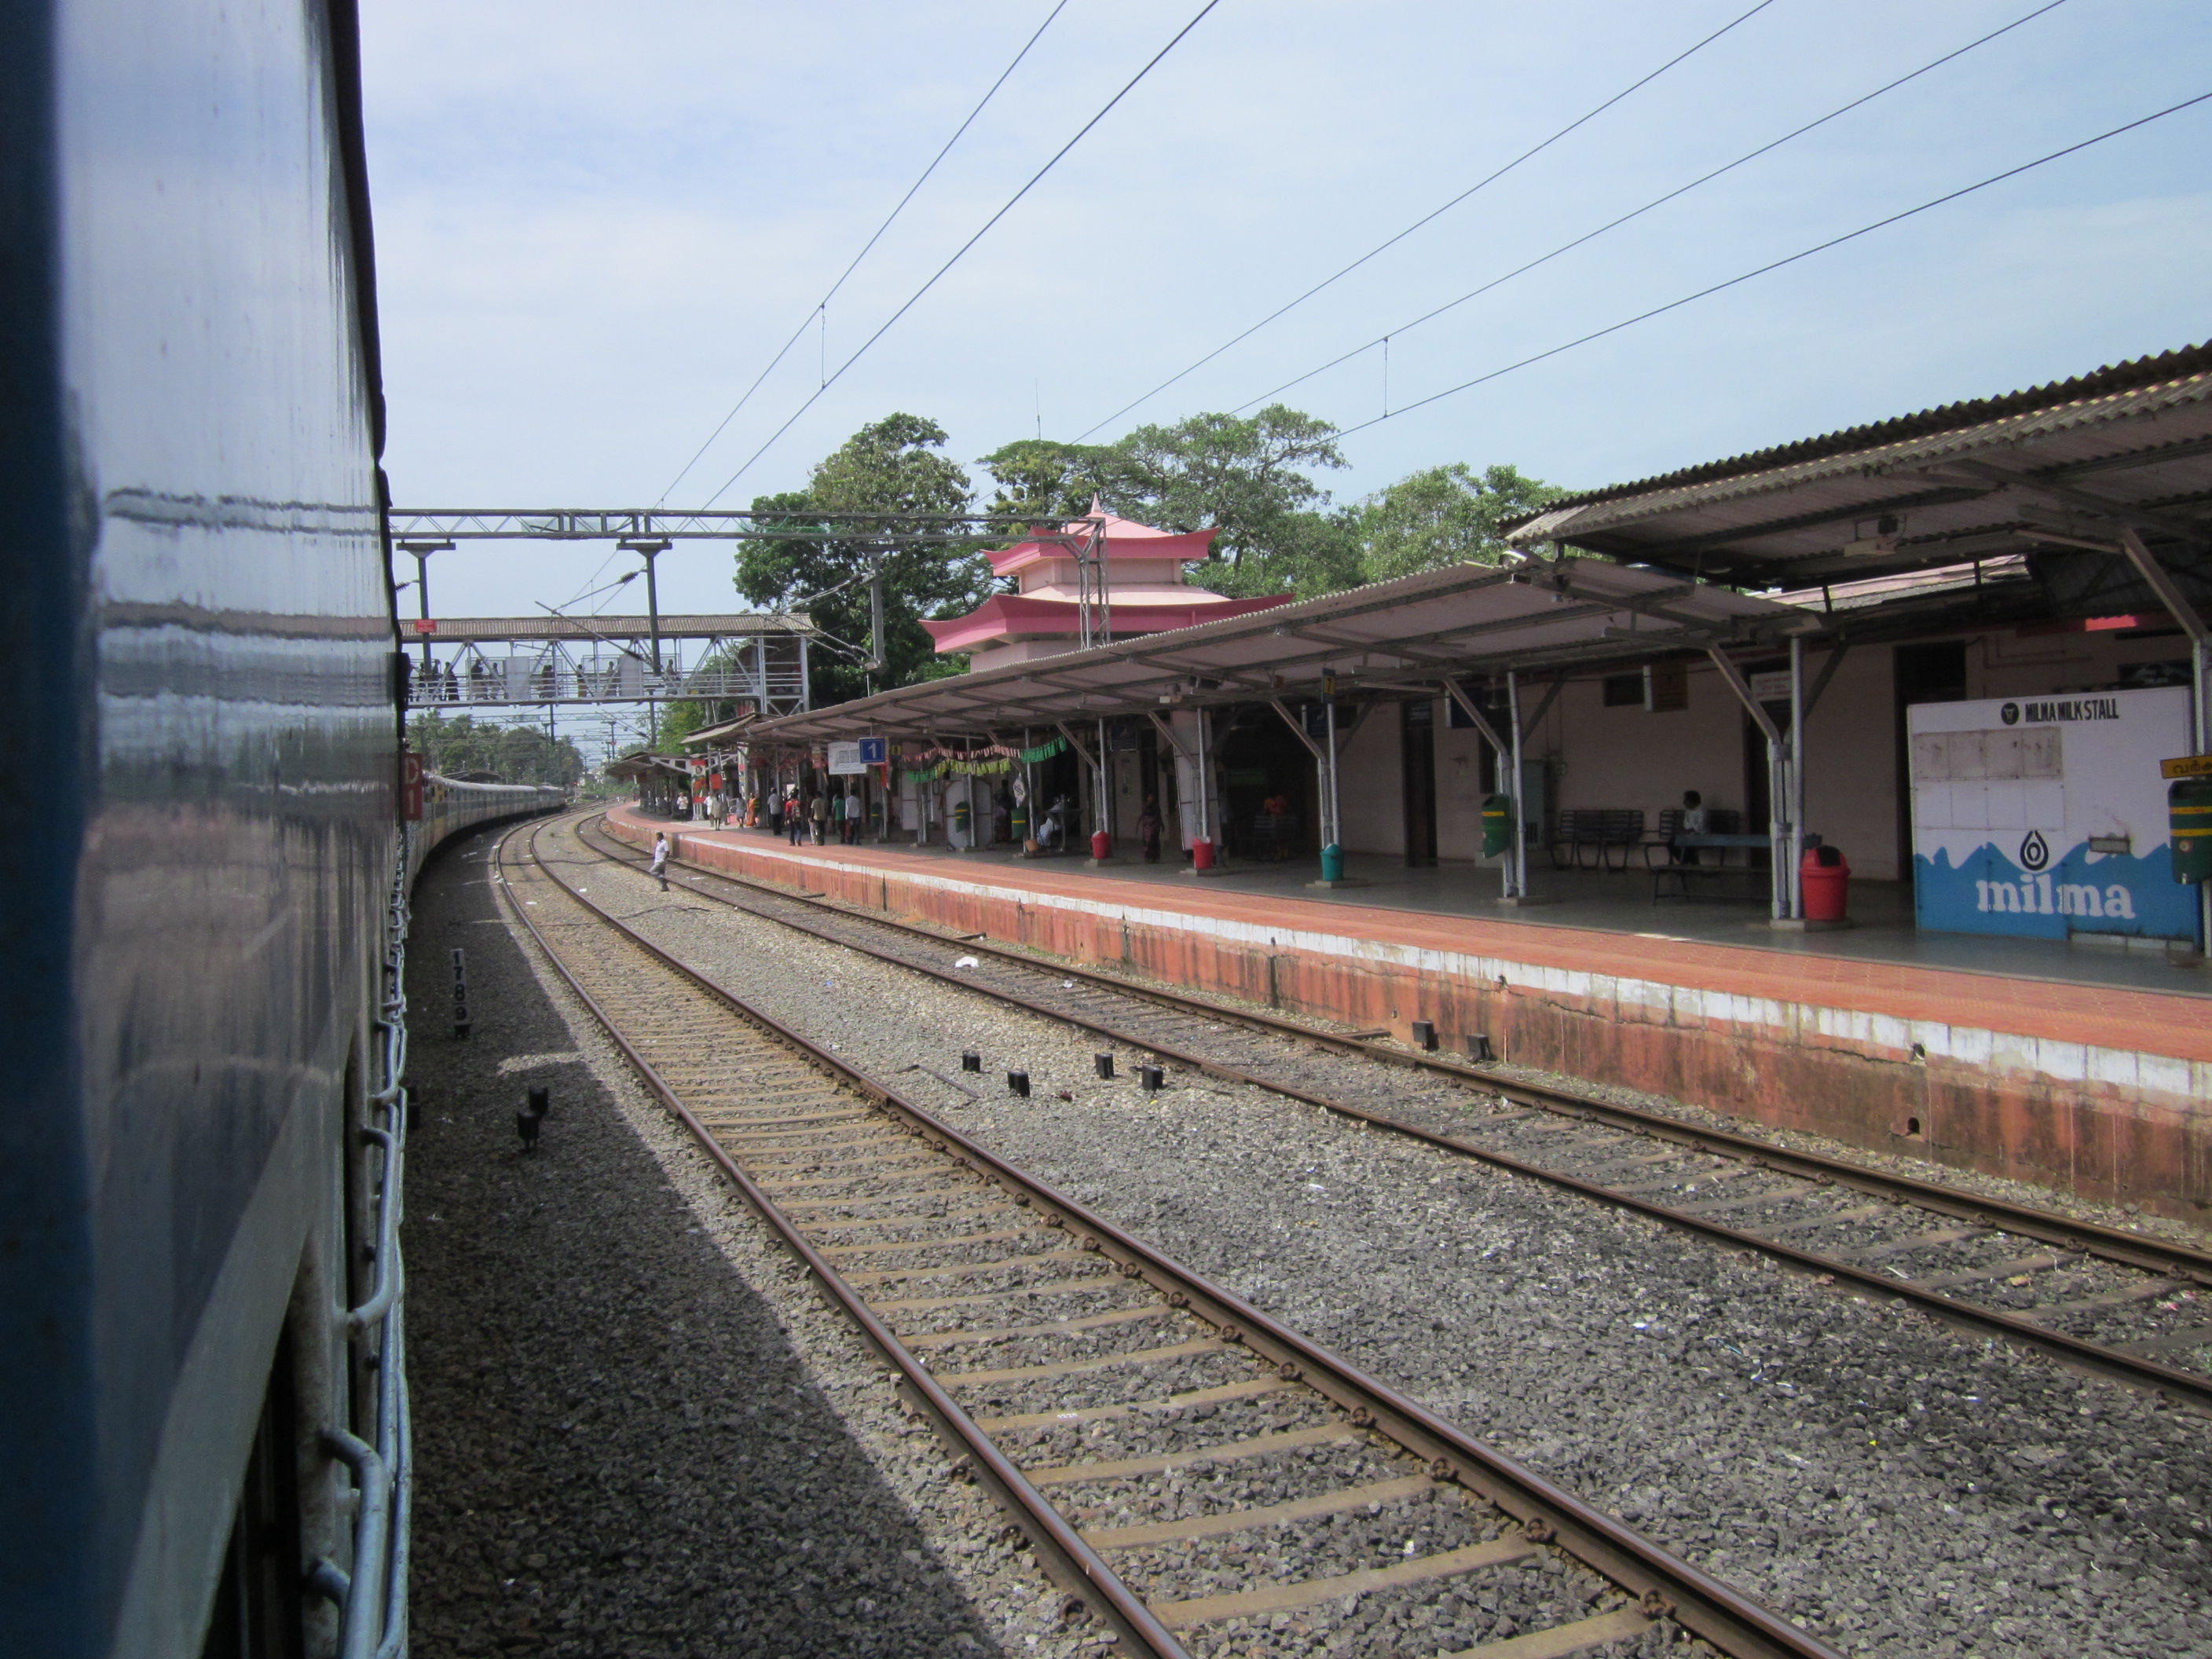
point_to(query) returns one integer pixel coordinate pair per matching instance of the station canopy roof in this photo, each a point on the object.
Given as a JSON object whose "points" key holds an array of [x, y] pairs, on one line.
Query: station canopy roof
{"points": [[2041, 482], [641, 764], [727, 732], [1397, 637]]}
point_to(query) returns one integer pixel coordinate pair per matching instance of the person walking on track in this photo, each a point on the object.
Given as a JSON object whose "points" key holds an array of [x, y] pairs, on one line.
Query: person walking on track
{"points": [[660, 859]]}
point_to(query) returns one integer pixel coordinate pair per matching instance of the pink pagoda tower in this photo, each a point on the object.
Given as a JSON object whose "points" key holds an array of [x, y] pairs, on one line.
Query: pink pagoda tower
{"points": [[1144, 593]]}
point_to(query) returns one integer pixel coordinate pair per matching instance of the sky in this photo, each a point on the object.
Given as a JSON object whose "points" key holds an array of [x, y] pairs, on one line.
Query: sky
{"points": [[595, 225]]}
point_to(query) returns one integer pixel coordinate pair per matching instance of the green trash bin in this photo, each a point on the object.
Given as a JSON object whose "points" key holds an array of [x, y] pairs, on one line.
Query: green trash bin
{"points": [[1497, 825], [2189, 818], [1332, 862]]}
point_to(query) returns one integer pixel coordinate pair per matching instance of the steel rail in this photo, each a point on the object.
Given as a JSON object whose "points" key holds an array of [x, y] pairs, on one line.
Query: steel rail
{"points": [[1668, 1586], [2171, 1261], [1074, 1564]]}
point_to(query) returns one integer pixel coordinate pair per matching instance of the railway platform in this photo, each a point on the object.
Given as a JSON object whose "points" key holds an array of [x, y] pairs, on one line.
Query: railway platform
{"points": [[2086, 1071]]}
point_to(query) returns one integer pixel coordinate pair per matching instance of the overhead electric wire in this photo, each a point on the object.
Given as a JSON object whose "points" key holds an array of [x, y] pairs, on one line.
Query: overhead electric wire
{"points": [[1384, 340], [1483, 183], [822, 305], [915, 298], [1776, 264]]}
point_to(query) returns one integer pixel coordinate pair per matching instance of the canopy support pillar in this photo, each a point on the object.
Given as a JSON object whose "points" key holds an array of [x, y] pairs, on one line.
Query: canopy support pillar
{"points": [[1324, 765], [1502, 751], [1780, 835]]}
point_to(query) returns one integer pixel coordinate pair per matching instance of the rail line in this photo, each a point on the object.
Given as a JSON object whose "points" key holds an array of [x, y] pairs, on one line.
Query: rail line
{"points": [[1210, 1471], [2118, 1303]]}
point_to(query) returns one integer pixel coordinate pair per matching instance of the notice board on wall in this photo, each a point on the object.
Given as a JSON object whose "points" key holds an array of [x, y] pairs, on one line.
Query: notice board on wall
{"points": [[2046, 817]]}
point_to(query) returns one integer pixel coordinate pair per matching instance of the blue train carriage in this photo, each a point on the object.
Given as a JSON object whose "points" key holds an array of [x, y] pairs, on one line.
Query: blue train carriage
{"points": [[202, 1426]]}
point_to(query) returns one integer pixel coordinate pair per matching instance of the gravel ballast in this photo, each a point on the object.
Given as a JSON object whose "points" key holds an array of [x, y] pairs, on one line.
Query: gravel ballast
{"points": [[638, 1432], [1894, 1485]]}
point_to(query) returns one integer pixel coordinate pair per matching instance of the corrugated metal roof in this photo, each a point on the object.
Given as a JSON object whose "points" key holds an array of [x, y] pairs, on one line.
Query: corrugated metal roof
{"points": [[2167, 366], [2126, 447], [1394, 636]]}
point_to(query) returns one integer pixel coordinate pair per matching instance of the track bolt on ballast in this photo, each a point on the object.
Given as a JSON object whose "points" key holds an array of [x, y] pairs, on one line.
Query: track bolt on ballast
{"points": [[1019, 1082], [1103, 1063], [1424, 1035], [1150, 1078], [970, 1060], [1478, 1049]]}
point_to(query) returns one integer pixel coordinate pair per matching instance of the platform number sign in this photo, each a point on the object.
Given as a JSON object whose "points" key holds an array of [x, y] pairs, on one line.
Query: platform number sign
{"points": [[410, 788]]}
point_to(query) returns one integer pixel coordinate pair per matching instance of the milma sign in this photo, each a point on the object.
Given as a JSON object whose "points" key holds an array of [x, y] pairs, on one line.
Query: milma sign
{"points": [[2046, 817]]}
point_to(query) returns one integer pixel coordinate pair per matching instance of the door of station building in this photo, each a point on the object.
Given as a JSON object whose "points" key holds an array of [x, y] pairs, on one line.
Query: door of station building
{"points": [[1417, 754], [1919, 673]]}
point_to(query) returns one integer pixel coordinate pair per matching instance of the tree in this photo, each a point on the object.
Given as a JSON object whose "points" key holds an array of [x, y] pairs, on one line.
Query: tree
{"points": [[909, 503], [1444, 515], [1046, 482], [1239, 475], [511, 754]]}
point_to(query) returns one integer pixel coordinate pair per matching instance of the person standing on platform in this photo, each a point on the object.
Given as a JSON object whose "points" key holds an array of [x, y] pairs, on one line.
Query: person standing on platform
{"points": [[661, 859], [852, 817], [821, 816], [794, 815], [1148, 830]]}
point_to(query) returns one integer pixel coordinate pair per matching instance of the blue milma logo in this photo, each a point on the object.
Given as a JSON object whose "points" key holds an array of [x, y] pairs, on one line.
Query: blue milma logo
{"points": [[2085, 893]]}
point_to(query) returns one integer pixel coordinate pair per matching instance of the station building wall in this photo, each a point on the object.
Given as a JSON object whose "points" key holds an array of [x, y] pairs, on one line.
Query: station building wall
{"points": [[1371, 787], [1626, 756], [1461, 770]]}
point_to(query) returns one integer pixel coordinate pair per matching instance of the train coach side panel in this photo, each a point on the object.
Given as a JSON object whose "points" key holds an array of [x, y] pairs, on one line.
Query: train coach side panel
{"points": [[198, 822]]}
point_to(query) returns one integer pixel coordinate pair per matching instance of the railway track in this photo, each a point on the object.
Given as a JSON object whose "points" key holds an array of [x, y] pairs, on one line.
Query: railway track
{"points": [[1204, 1478], [2133, 1307]]}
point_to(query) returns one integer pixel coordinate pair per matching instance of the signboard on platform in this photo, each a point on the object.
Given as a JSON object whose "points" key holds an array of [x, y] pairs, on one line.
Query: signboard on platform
{"points": [[845, 759], [875, 751], [2046, 817], [2186, 766]]}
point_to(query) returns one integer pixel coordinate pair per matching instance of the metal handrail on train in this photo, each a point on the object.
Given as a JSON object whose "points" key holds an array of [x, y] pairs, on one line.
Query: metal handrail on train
{"points": [[374, 1619]]}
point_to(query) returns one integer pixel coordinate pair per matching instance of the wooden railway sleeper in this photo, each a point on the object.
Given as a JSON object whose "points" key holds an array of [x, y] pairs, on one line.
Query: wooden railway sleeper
{"points": [[1705, 1606]]}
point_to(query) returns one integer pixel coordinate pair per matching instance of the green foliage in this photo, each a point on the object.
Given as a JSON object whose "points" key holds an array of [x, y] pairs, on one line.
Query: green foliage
{"points": [[1047, 482], [890, 467], [511, 754], [1250, 479], [1241, 475], [1445, 515], [680, 720]]}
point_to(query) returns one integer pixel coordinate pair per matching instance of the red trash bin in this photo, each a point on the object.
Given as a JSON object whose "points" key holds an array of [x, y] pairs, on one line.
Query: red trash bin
{"points": [[1824, 876], [1102, 845], [1201, 852]]}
